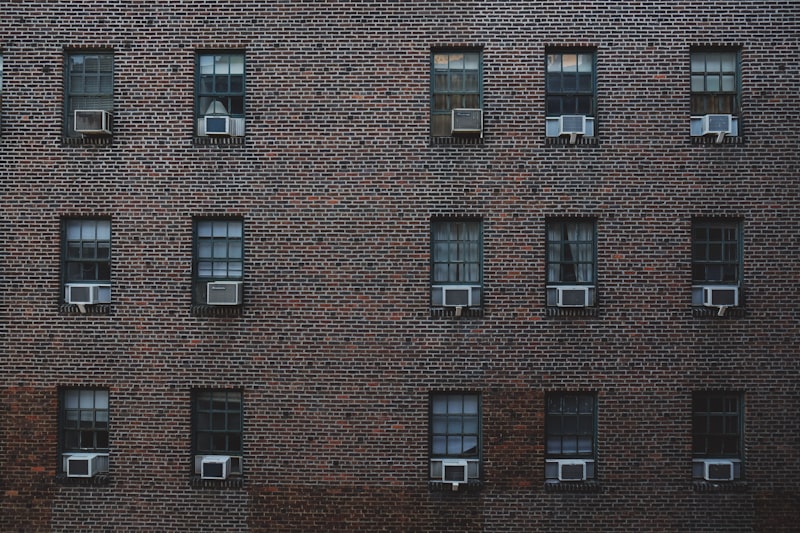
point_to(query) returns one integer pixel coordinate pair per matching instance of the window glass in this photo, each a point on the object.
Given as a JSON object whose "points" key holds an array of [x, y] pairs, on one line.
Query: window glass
{"points": [[456, 83], [90, 85]]}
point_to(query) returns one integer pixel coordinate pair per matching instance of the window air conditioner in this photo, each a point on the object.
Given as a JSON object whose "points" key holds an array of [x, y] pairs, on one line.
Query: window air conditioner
{"points": [[85, 293], [718, 470], [720, 296], [717, 124], [571, 470], [82, 464], [466, 121], [572, 296], [457, 295], [224, 293], [92, 122], [454, 471], [572, 125], [217, 125], [215, 467]]}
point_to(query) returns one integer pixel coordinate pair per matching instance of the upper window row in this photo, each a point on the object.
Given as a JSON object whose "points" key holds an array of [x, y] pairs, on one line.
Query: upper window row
{"points": [[456, 107]]}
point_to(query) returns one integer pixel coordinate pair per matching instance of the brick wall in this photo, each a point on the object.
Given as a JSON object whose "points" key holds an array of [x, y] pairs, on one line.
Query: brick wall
{"points": [[336, 350]]}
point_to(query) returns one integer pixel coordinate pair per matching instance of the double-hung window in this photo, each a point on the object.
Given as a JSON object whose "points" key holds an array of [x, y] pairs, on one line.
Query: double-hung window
{"points": [[571, 262], [456, 93], [83, 431], [218, 262], [217, 418], [219, 94], [455, 437], [716, 262], [715, 93], [89, 101], [86, 260], [570, 426], [457, 263], [570, 98], [717, 435]]}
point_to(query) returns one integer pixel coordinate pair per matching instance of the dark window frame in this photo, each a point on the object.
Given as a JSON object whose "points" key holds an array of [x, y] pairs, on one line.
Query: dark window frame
{"points": [[579, 96], [459, 230], [95, 431], [713, 97], [578, 426], [729, 244], [441, 430], [206, 435], [228, 88], [565, 267], [446, 97], [103, 79], [77, 264], [200, 263], [723, 425]]}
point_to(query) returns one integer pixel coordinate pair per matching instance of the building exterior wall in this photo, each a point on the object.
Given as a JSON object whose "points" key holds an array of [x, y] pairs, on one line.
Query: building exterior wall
{"points": [[336, 349]]}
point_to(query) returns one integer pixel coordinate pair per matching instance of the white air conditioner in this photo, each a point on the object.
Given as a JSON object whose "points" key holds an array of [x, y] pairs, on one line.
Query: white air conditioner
{"points": [[215, 467], [87, 293], [717, 124], [720, 295], [571, 470], [455, 472], [457, 295], [224, 293], [717, 470], [572, 296], [217, 125], [82, 464], [466, 121], [92, 122], [572, 125]]}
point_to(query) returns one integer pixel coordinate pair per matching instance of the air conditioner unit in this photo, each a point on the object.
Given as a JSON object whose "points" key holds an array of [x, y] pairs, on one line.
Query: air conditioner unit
{"points": [[572, 125], [466, 121], [717, 124], [571, 470], [457, 295], [717, 470], [218, 125], [92, 122], [572, 296], [86, 293], [454, 471], [720, 295], [215, 467], [82, 464], [224, 293]]}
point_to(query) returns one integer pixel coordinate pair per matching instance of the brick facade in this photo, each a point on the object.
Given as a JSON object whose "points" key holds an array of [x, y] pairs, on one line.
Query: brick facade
{"points": [[336, 349]]}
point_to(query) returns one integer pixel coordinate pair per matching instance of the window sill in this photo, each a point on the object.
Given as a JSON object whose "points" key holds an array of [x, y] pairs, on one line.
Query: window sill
{"points": [[217, 310], [98, 480], [725, 486], [233, 482], [564, 141], [713, 312], [572, 486], [90, 310], [218, 141], [466, 139], [439, 486], [572, 312], [712, 140], [452, 312], [100, 140]]}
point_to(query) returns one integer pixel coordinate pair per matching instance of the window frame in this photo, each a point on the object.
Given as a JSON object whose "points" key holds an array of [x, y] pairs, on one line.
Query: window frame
{"points": [[94, 100], [552, 119], [461, 263], [98, 264], [724, 436], [723, 225], [199, 281], [449, 92], [238, 114], [475, 459], [552, 458], [198, 450], [64, 449], [566, 245], [696, 111]]}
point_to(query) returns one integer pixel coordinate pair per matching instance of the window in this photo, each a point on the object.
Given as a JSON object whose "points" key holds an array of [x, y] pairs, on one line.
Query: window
{"points": [[218, 262], [217, 422], [571, 262], [90, 93], [219, 98], [570, 88], [86, 245], [457, 258], [456, 84], [83, 431], [570, 423], [455, 437], [716, 90], [1, 82], [716, 262], [717, 422]]}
